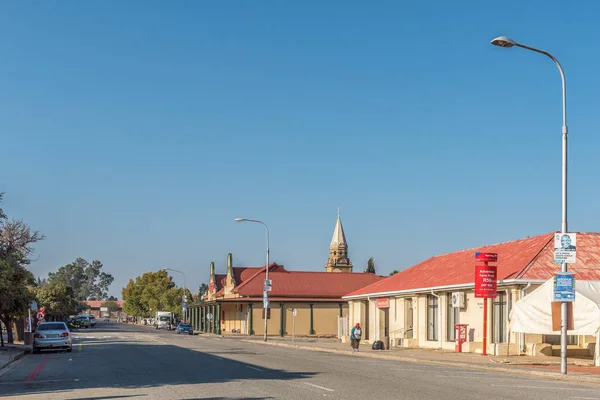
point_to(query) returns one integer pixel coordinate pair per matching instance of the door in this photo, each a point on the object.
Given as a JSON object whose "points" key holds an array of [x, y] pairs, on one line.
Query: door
{"points": [[408, 318]]}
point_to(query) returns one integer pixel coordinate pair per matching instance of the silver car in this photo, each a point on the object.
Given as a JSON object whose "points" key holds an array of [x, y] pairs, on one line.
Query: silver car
{"points": [[52, 335]]}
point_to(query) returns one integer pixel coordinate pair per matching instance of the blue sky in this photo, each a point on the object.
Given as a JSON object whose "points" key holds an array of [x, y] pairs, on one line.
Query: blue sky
{"points": [[135, 132]]}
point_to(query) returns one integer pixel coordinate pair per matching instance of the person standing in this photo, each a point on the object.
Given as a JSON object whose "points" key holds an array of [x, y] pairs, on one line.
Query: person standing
{"points": [[355, 336]]}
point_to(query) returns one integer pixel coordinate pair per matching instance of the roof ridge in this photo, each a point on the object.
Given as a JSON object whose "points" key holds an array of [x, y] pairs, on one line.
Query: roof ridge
{"points": [[490, 245], [535, 257], [261, 269]]}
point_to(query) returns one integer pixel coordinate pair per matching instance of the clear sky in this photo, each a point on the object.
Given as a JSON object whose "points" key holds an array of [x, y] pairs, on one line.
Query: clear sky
{"points": [[135, 132]]}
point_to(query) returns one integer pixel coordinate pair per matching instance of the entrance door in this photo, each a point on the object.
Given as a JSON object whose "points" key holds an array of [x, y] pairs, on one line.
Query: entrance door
{"points": [[408, 318]]}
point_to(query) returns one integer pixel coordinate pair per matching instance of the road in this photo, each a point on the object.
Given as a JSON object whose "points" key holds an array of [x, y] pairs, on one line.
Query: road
{"points": [[120, 361]]}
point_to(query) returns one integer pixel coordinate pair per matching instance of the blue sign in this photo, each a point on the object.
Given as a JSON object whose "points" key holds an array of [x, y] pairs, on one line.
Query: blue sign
{"points": [[564, 287]]}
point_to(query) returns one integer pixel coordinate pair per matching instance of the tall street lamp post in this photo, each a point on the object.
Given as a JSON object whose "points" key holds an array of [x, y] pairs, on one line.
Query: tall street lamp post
{"points": [[265, 292], [504, 41], [184, 298]]}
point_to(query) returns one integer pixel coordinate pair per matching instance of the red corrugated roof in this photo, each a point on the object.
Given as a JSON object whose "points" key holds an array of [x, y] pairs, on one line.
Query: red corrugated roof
{"points": [[303, 284], [531, 258], [98, 303]]}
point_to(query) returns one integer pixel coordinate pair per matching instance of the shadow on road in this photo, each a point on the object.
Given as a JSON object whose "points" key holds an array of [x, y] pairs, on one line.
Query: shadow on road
{"points": [[138, 365]]}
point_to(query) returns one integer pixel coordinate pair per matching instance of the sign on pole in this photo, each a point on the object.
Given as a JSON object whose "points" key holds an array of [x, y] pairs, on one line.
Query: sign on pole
{"points": [[565, 248], [294, 312], [564, 287], [486, 278], [265, 303], [34, 305], [209, 316], [268, 285], [486, 257]]}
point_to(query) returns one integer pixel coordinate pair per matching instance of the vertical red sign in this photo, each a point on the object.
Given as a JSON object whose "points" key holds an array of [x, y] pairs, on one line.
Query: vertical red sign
{"points": [[486, 280]]}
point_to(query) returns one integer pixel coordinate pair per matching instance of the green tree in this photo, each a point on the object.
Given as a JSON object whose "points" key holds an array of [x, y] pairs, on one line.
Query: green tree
{"points": [[16, 240], [113, 298], [151, 292], [111, 305], [394, 272], [370, 266], [59, 300], [87, 279], [202, 290]]}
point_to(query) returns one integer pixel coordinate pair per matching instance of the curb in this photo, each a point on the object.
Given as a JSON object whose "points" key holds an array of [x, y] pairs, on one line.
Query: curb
{"points": [[14, 358], [542, 374]]}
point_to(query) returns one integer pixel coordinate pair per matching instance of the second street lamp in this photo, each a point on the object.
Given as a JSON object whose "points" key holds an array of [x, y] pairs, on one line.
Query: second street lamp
{"points": [[503, 41], [265, 292], [184, 297]]}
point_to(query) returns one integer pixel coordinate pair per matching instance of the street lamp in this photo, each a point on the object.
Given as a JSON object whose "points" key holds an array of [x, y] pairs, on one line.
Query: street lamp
{"points": [[184, 289], [265, 293], [503, 41]]}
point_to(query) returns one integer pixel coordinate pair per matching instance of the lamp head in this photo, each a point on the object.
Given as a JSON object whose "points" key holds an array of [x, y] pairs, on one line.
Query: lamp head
{"points": [[239, 220], [503, 41]]}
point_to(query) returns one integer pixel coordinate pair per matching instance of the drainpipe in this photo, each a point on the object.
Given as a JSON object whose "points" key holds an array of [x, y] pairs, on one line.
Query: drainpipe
{"points": [[522, 335], [439, 299]]}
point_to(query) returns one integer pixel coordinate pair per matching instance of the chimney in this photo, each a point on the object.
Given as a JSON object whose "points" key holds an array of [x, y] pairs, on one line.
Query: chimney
{"points": [[230, 278]]}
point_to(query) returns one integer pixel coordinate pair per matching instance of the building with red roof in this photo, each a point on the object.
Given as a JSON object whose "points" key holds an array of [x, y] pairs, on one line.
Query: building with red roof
{"points": [[234, 302], [414, 308]]}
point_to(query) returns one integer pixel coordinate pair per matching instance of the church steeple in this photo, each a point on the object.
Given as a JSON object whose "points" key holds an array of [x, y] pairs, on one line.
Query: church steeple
{"points": [[338, 250]]}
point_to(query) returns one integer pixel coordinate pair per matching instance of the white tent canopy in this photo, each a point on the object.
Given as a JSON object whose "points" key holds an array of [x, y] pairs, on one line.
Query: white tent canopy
{"points": [[533, 313]]}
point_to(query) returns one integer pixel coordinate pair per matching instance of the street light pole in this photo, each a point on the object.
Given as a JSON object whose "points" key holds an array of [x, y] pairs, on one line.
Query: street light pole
{"points": [[265, 293], [184, 287], [504, 41]]}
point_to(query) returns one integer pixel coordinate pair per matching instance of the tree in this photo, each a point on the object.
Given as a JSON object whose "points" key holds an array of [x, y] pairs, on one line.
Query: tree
{"points": [[15, 293], [394, 272], [151, 292], [202, 290], [59, 300], [370, 266], [86, 279], [111, 305], [113, 298], [16, 240]]}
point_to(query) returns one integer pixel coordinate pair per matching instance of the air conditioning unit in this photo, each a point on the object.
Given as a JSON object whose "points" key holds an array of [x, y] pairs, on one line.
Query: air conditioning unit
{"points": [[458, 299]]}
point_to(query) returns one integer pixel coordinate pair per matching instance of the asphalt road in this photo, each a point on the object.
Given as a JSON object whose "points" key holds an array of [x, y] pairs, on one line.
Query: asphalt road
{"points": [[120, 361]]}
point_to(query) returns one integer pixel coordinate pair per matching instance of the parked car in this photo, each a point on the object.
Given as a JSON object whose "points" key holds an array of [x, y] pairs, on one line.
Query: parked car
{"points": [[83, 321], [92, 320], [185, 327], [50, 336]]}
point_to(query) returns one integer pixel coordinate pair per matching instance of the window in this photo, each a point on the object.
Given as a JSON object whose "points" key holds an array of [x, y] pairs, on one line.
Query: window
{"points": [[500, 318], [432, 318], [268, 313], [452, 317]]}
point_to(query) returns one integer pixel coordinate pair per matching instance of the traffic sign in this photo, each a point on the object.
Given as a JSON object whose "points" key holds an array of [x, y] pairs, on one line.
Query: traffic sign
{"points": [[209, 316], [40, 316], [294, 312], [564, 287], [34, 305], [265, 303]]}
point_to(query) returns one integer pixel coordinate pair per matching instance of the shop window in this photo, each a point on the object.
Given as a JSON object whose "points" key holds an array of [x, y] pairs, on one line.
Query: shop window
{"points": [[432, 318], [452, 317]]}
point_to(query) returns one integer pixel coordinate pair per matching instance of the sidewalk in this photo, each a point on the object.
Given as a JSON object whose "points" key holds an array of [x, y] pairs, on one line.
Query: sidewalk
{"points": [[11, 352], [579, 369]]}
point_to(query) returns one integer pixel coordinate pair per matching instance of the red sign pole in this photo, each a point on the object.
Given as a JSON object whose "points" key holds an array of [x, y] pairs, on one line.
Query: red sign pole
{"points": [[486, 281]]}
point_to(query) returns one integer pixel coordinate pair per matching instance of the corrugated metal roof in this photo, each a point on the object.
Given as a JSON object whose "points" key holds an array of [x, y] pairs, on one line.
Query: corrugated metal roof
{"points": [[306, 284], [531, 258]]}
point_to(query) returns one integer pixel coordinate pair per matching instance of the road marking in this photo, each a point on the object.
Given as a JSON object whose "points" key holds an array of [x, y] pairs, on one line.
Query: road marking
{"points": [[36, 371], [588, 398], [254, 368], [546, 387], [319, 387]]}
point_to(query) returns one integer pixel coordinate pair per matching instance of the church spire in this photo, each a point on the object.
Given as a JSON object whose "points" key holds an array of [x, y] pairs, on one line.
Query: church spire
{"points": [[338, 250]]}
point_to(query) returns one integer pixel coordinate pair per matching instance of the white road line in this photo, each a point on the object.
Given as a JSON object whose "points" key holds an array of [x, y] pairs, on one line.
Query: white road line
{"points": [[588, 398], [546, 387], [319, 387], [254, 368]]}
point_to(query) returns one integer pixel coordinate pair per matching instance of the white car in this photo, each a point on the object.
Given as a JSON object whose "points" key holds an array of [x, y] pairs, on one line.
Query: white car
{"points": [[52, 335]]}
